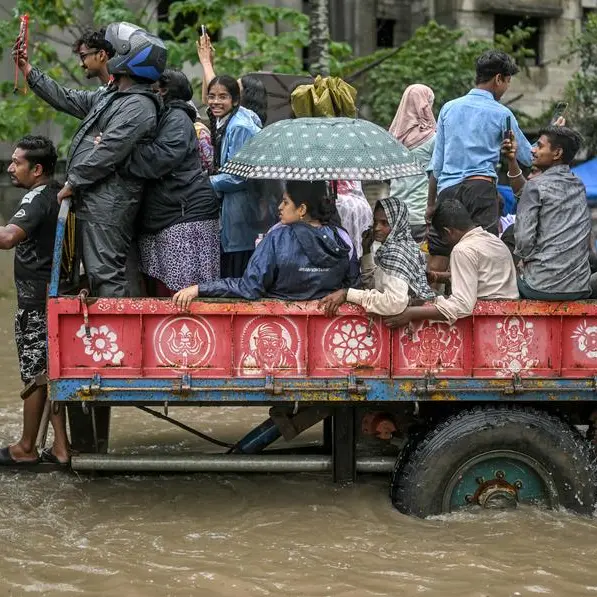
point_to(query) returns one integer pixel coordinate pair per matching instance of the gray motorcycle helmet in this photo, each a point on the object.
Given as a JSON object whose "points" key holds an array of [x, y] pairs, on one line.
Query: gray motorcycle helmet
{"points": [[137, 53]]}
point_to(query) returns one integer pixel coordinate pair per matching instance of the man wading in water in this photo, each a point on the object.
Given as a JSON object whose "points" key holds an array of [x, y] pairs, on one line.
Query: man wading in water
{"points": [[31, 232]]}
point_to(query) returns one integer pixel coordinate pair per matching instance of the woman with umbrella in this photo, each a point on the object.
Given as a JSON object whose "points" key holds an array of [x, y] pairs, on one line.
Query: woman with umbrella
{"points": [[302, 258]]}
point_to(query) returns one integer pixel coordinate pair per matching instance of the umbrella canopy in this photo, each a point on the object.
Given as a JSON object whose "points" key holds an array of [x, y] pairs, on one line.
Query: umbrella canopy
{"points": [[323, 149]]}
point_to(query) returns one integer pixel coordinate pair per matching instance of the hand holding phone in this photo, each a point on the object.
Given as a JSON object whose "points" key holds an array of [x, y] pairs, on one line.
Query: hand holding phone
{"points": [[508, 131], [559, 112]]}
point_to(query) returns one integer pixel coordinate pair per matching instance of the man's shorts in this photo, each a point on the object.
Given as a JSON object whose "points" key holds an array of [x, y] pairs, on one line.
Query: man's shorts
{"points": [[481, 201], [31, 334]]}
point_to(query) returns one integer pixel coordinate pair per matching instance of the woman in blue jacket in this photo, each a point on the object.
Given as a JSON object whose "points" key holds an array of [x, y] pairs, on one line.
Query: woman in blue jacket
{"points": [[301, 258], [231, 127]]}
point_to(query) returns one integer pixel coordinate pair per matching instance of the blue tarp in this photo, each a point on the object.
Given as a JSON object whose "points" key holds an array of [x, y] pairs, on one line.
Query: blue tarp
{"points": [[509, 200], [587, 172]]}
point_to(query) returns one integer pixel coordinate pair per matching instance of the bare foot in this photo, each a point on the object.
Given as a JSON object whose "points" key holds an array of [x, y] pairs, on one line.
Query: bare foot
{"points": [[20, 455]]}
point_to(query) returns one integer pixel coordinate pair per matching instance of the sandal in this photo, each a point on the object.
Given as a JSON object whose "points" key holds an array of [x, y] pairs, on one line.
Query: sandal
{"points": [[6, 459], [49, 457]]}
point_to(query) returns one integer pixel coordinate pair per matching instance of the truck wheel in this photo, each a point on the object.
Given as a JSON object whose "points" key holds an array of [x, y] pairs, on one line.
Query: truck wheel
{"points": [[496, 458]]}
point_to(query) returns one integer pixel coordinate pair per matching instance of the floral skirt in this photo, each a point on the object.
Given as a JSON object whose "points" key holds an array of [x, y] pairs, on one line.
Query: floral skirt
{"points": [[183, 254]]}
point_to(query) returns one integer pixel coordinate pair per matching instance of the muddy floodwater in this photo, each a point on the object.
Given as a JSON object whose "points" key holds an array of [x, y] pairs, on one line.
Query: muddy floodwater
{"points": [[234, 535]]}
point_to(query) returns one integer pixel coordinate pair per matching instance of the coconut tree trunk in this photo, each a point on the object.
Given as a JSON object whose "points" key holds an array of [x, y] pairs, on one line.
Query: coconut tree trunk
{"points": [[319, 38]]}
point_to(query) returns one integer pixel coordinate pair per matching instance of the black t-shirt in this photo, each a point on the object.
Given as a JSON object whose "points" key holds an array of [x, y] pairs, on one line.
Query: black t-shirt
{"points": [[37, 215]]}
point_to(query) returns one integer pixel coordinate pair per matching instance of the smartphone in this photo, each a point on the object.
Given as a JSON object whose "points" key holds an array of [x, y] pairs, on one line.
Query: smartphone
{"points": [[203, 31], [508, 131], [559, 111]]}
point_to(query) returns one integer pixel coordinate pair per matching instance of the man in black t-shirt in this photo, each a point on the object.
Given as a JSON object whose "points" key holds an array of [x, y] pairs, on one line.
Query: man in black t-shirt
{"points": [[31, 232]]}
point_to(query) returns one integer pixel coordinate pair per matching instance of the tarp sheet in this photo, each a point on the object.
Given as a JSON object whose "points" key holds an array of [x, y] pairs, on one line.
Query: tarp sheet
{"points": [[587, 172]]}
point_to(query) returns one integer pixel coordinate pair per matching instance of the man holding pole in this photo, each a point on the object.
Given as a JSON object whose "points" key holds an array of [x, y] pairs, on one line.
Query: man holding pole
{"points": [[31, 233]]}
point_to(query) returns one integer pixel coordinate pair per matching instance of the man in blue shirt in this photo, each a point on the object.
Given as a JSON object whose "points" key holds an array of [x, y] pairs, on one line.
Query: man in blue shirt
{"points": [[470, 130]]}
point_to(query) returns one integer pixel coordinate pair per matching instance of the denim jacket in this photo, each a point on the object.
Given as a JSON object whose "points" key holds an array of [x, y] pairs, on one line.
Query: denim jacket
{"points": [[240, 215]]}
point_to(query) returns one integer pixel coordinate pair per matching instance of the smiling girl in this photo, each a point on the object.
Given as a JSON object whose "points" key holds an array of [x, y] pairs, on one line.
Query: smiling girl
{"points": [[231, 127]]}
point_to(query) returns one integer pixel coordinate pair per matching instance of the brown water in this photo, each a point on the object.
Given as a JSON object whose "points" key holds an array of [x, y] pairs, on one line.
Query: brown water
{"points": [[233, 535]]}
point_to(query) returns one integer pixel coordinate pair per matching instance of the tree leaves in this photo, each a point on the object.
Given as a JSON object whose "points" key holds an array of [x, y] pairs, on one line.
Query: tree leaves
{"points": [[275, 41], [581, 91], [438, 57]]}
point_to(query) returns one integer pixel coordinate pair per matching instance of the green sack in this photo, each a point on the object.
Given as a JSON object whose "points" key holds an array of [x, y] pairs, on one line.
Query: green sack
{"points": [[326, 97]]}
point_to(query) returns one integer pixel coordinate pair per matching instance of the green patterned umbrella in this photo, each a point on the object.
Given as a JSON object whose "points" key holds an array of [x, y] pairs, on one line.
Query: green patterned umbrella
{"points": [[323, 149]]}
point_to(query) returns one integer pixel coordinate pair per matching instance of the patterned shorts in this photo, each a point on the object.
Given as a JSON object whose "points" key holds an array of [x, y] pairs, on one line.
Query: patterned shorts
{"points": [[31, 334]]}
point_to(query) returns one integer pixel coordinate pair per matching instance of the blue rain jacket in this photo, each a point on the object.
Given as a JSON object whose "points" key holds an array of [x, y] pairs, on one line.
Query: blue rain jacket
{"points": [[297, 262], [240, 217]]}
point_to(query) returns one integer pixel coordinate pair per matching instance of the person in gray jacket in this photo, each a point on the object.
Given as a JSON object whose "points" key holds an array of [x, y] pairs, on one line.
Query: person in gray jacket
{"points": [[107, 197]]}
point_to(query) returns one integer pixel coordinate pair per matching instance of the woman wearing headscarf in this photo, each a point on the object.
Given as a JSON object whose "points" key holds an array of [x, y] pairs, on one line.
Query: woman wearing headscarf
{"points": [[414, 126], [354, 211], [397, 273]]}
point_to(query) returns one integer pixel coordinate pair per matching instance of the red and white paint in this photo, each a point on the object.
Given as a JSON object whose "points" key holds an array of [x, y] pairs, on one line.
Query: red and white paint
{"points": [[269, 345], [184, 342], [352, 342], [513, 341], [431, 345], [101, 344]]}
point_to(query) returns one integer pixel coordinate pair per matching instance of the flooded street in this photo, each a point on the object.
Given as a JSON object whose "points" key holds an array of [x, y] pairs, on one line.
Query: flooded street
{"points": [[232, 535]]}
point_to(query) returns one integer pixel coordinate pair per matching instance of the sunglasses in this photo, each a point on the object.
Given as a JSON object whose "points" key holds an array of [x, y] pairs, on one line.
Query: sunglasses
{"points": [[84, 55]]}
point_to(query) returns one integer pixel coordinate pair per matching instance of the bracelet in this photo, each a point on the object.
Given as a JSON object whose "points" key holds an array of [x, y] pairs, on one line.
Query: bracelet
{"points": [[519, 173]]}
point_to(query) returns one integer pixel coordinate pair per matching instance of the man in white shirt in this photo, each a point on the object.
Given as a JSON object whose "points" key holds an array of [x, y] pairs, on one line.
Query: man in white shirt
{"points": [[481, 267]]}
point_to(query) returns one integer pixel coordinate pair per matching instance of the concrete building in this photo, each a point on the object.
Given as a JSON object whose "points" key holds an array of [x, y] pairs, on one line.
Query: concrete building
{"points": [[371, 24], [544, 78]]}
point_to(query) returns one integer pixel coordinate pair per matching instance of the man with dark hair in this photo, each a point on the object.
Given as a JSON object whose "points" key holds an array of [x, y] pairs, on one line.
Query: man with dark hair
{"points": [[107, 196], [553, 224], [470, 130], [31, 232], [94, 52], [481, 267]]}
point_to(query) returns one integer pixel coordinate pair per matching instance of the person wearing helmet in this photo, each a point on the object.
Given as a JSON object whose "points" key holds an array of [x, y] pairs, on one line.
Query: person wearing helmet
{"points": [[107, 196]]}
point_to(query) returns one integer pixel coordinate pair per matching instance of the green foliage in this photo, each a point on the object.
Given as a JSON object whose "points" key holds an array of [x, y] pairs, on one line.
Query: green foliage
{"points": [[438, 57], [275, 39], [581, 91]]}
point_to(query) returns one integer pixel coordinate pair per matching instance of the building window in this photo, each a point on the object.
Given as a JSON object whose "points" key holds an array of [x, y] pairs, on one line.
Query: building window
{"points": [[505, 23], [385, 33]]}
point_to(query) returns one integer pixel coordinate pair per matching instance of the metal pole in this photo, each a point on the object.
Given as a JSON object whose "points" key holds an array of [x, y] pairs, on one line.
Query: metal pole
{"points": [[42, 432], [222, 463]]}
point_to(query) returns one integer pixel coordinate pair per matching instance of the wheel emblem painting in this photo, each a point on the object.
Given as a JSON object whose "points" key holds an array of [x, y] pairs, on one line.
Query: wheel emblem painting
{"points": [[269, 344], [586, 339], [513, 340], [352, 342], [184, 342], [432, 345]]}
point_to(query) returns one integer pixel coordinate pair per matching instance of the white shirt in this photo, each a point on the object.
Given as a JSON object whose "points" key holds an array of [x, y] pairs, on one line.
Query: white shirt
{"points": [[481, 268], [386, 294]]}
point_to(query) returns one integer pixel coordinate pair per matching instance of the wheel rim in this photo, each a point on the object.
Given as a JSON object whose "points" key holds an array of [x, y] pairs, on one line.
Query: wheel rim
{"points": [[499, 479]]}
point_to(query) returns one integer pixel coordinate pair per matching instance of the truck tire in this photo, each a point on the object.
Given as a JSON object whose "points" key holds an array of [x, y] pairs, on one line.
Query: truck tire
{"points": [[496, 458]]}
